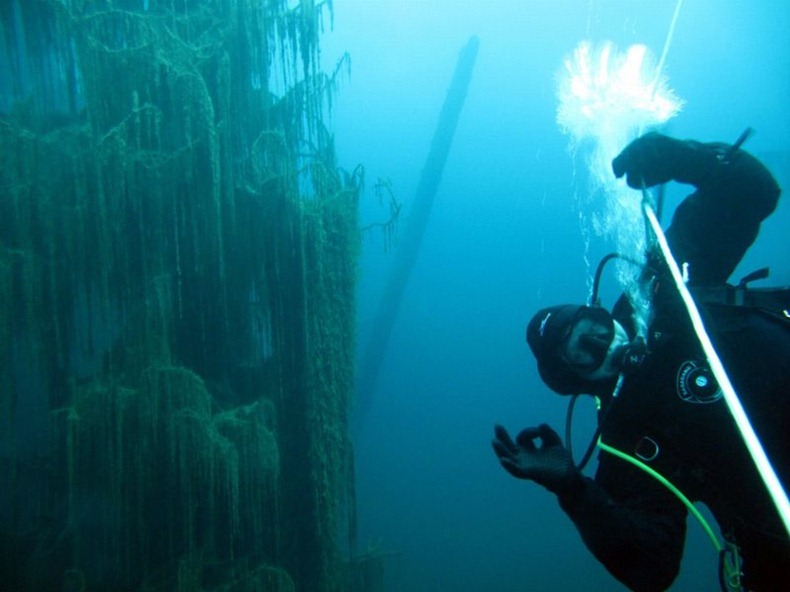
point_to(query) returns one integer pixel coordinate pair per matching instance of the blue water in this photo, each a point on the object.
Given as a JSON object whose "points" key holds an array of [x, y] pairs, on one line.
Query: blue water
{"points": [[504, 239]]}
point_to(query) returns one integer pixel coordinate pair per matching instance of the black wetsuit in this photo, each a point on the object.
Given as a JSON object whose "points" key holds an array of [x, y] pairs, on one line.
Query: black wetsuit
{"points": [[671, 410]]}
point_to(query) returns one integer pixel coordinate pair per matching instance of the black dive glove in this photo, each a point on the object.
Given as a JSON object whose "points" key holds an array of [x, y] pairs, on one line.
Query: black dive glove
{"points": [[550, 465], [656, 159]]}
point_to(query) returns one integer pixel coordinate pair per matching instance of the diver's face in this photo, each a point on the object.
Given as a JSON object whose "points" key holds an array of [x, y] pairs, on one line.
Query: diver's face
{"points": [[590, 349]]}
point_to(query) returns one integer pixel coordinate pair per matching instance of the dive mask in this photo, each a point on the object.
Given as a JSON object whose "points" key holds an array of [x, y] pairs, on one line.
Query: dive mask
{"points": [[587, 340]]}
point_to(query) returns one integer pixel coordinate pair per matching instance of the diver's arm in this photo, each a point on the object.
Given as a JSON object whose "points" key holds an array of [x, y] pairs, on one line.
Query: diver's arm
{"points": [[639, 536], [712, 229], [731, 178], [654, 158], [728, 174]]}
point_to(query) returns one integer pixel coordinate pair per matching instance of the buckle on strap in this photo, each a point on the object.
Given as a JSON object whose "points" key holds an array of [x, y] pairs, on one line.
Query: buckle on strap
{"points": [[646, 449]]}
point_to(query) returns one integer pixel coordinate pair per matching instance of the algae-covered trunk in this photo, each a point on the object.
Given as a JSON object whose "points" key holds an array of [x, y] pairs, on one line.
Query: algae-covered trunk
{"points": [[177, 268]]}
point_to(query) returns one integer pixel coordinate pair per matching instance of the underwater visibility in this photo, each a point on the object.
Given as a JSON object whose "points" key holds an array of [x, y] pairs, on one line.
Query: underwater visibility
{"points": [[266, 268]]}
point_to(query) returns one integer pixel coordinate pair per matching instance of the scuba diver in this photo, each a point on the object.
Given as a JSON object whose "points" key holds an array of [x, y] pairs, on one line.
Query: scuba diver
{"points": [[660, 404]]}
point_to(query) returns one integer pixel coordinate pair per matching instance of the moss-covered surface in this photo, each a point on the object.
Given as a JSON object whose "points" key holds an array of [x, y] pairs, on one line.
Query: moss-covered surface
{"points": [[177, 269]]}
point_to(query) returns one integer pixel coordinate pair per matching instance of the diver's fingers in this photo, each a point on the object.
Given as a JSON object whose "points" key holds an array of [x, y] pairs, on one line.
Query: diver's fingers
{"points": [[549, 436], [502, 452], [503, 438], [510, 466], [526, 437]]}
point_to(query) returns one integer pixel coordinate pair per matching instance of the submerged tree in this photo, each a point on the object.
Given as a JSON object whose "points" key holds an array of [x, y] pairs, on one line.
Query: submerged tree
{"points": [[177, 271]]}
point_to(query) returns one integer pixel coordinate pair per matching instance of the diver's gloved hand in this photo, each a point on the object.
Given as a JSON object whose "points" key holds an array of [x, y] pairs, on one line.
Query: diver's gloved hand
{"points": [[655, 159], [550, 465], [652, 158]]}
